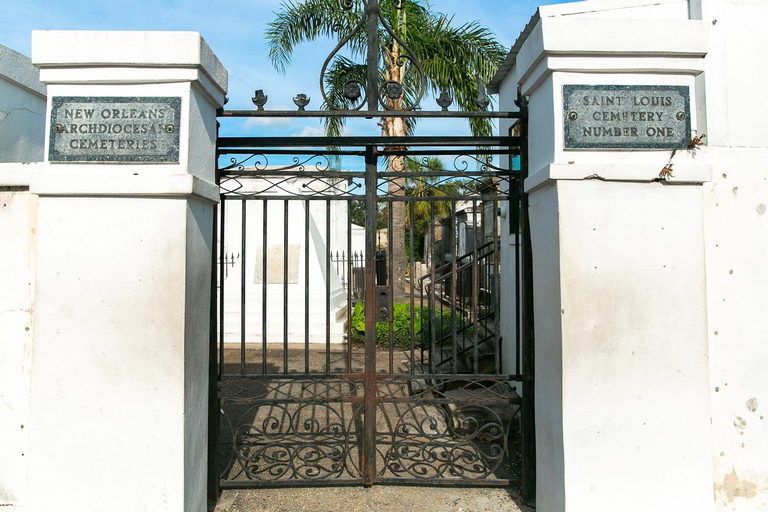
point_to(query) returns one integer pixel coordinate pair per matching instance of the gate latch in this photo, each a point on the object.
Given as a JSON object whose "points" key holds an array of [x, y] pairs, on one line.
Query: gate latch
{"points": [[383, 304]]}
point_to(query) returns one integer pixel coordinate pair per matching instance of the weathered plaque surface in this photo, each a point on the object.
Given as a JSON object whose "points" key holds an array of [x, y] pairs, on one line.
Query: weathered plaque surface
{"points": [[114, 129], [626, 116]]}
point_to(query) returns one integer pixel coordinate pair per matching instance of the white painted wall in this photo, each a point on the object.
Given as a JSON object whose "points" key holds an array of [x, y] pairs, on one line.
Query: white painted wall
{"points": [[22, 109], [723, 222], [119, 385], [736, 250], [622, 398], [18, 222], [736, 229]]}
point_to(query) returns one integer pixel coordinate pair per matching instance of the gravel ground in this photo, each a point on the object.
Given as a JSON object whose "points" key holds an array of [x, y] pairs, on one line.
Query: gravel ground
{"points": [[374, 499]]}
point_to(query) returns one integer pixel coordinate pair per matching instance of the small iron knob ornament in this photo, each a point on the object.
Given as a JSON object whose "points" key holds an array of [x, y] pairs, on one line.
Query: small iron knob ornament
{"points": [[393, 90], [259, 99], [352, 91], [301, 101], [444, 101]]}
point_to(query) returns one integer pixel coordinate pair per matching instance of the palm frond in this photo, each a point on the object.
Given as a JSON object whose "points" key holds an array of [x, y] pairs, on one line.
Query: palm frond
{"points": [[296, 23]]}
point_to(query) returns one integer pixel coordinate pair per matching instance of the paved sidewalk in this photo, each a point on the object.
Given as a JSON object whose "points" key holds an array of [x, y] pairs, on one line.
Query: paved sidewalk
{"points": [[374, 499]]}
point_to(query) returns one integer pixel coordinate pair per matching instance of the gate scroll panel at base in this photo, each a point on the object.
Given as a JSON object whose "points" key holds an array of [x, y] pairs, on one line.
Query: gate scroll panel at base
{"points": [[290, 432], [465, 436]]}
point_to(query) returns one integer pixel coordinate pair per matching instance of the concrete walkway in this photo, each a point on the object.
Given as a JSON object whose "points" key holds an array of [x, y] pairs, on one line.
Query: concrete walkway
{"points": [[374, 499]]}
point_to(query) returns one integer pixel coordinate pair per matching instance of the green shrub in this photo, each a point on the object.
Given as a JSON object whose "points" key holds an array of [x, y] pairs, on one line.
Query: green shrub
{"points": [[401, 326]]}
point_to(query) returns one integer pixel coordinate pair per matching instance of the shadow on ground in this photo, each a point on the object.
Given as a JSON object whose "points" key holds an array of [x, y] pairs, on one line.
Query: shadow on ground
{"points": [[374, 499]]}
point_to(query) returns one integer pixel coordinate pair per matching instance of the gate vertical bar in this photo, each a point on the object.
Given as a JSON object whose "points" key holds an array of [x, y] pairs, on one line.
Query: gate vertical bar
{"points": [[328, 286], [454, 250], [349, 286], [411, 207], [307, 286], [264, 289], [390, 286], [528, 411], [368, 464], [285, 286], [431, 305], [475, 289], [222, 277], [242, 287], [496, 298], [514, 219], [372, 57]]}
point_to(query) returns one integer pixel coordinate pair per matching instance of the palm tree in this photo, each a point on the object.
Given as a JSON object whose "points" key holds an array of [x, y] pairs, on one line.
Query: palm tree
{"points": [[453, 59], [424, 186]]}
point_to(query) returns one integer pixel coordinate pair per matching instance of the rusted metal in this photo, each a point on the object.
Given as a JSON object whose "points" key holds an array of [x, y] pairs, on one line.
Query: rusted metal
{"points": [[368, 455]]}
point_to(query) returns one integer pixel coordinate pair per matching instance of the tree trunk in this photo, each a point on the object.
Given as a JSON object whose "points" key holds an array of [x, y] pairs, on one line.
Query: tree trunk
{"points": [[396, 127]]}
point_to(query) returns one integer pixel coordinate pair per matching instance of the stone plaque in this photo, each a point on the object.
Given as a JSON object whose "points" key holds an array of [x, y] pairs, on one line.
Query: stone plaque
{"points": [[114, 129], [626, 116]]}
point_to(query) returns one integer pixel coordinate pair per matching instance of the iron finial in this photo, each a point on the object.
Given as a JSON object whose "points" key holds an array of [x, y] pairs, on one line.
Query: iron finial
{"points": [[445, 100], [301, 100], [482, 99], [522, 101], [259, 99]]}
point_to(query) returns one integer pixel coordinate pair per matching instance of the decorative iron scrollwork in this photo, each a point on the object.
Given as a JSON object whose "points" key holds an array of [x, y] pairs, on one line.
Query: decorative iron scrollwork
{"points": [[390, 93]]}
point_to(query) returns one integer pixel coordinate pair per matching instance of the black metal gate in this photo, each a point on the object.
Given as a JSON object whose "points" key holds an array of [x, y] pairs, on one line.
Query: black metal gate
{"points": [[318, 386], [358, 309]]}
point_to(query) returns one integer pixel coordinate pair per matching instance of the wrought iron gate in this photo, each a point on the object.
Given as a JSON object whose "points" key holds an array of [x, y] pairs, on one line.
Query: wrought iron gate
{"points": [[385, 366], [318, 387]]}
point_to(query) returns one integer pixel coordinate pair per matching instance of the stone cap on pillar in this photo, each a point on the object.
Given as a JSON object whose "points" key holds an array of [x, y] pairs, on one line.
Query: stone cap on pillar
{"points": [[636, 45], [627, 45], [71, 57]]}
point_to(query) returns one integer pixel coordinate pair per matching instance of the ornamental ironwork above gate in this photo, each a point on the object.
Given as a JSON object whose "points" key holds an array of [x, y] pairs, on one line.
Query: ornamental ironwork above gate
{"points": [[372, 95]]}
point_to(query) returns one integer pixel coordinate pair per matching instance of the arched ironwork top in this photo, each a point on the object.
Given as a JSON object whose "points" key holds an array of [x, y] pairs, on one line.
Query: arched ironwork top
{"points": [[376, 95]]}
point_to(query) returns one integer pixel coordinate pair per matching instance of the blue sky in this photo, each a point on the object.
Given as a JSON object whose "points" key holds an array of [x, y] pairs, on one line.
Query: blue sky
{"points": [[234, 29]]}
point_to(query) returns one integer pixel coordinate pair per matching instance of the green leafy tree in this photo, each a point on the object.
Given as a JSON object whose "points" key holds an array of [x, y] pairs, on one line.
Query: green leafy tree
{"points": [[453, 59]]}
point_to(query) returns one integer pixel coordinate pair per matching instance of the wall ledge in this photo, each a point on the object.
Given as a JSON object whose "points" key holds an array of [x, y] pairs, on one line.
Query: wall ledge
{"points": [[169, 186], [18, 174], [684, 174]]}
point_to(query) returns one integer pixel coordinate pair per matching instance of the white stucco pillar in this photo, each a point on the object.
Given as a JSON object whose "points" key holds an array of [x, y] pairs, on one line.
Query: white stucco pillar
{"points": [[622, 389], [118, 407]]}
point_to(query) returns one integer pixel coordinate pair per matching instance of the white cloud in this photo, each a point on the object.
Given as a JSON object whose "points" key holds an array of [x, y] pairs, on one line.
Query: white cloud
{"points": [[253, 122], [309, 131]]}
